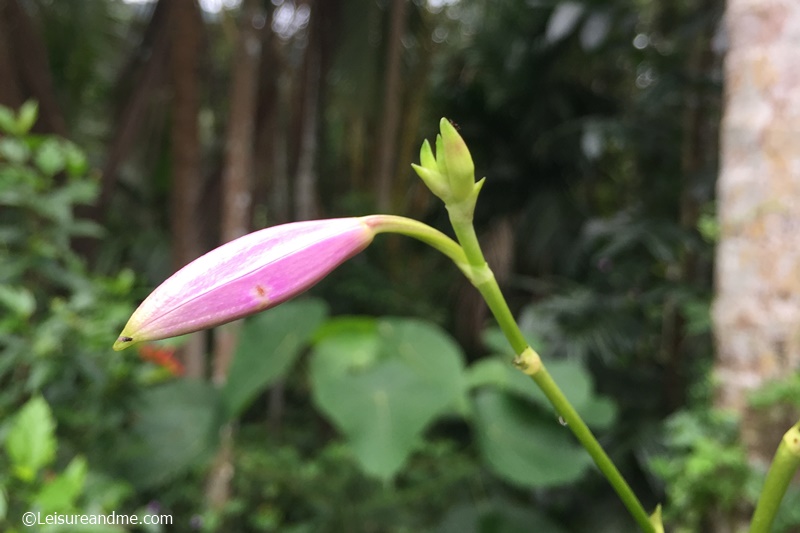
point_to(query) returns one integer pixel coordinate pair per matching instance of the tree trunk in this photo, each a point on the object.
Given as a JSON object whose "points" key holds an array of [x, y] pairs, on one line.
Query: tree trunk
{"points": [[147, 73], [23, 56], [392, 104], [699, 159], [757, 308], [415, 196], [266, 191], [11, 93], [306, 205], [184, 57], [305, 183], [236, 201], [238, 166]]}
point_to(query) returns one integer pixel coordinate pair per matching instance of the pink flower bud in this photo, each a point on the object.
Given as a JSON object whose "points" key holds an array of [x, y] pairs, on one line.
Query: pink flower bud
{"points": [[247, 275]]}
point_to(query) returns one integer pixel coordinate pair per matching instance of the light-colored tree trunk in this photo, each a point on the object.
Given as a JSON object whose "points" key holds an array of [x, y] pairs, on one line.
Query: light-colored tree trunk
{"points": [[757, 307]]}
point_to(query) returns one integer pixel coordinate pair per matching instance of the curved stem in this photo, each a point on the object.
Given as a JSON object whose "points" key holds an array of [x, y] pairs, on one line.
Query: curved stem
{"points": [[781, 472], [468, 256], [530, 363], [419, 231]]}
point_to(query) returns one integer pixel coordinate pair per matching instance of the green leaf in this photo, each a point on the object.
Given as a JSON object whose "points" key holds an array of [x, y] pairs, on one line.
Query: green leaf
{"points": [[86, 228], [26, 117], [61, 493], [8, 124], [18, 300], [600, 412], [76, 162], [50, 157], [269, 344], [78, 192], [176, 426], [106, 492], [523, 447], [382, 383], [348, 344], [501, 374], [495, 341], [31, 442], [571, 377], [14, 150]]}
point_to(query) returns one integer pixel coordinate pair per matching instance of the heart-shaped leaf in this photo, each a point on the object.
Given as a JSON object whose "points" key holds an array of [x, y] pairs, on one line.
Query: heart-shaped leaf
{"points": [[382, 383]]}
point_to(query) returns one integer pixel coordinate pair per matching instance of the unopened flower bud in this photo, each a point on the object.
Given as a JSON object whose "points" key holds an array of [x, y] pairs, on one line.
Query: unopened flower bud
{"points": [[249, 274]]}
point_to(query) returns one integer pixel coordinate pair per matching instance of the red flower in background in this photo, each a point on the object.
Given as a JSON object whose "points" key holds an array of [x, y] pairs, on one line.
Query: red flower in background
{"points": [[163, 357]]}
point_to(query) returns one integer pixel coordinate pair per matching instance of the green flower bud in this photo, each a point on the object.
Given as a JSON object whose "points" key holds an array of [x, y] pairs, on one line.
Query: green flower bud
{"points": [[441, 162], [426, 157], [450, 174], [433, 180], [428, 170], [457, 160]]}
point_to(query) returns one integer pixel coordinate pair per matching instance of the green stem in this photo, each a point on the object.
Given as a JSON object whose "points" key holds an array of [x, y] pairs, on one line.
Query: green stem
{"points": [[461, 220], [419, 231], [469, 258], [529, 362], [783, 468], [497, 305], [587, 439]]}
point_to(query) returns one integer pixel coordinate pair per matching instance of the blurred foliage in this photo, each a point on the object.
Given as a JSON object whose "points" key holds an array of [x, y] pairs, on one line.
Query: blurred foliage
{"points": [[282, 335], [583, 117], [386, 385], [781, 392], [64, 398], [706, 474], [54, 336], [29, 485], [382, 382], [705, 470]]}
